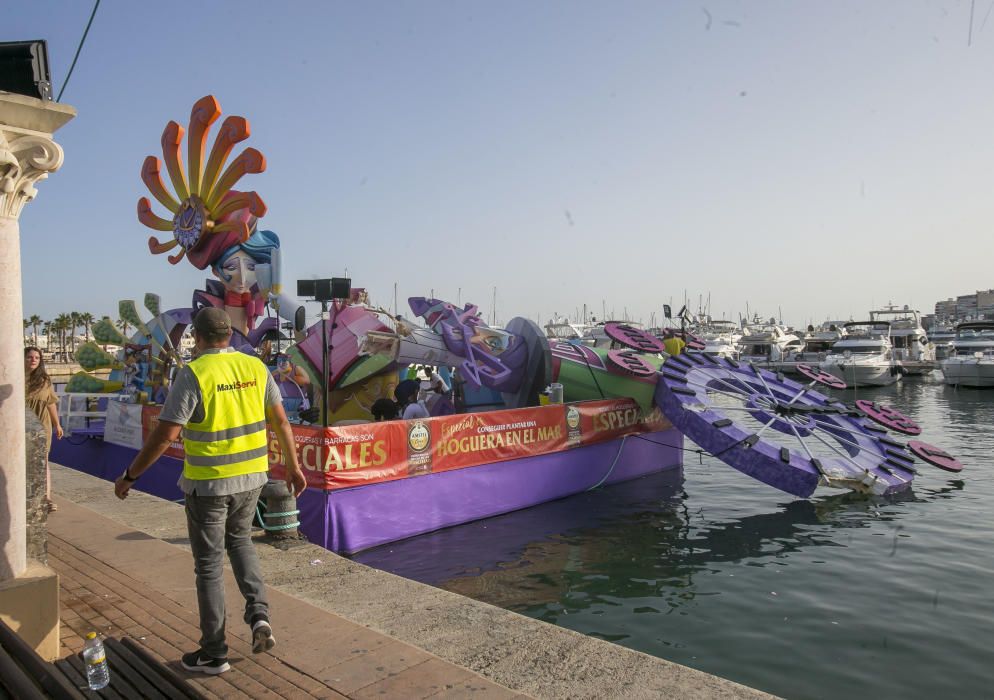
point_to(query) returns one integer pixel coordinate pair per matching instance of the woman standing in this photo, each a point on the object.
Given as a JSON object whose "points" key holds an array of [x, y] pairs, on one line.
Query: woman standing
{"points": [[42, 400]]}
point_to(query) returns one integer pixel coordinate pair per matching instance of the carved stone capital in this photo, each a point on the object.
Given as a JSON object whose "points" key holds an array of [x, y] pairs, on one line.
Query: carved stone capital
{"points": [[25, 159]]}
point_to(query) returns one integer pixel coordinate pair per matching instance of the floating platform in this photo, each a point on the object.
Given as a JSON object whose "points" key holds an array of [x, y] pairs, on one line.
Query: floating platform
{"points": [[375, 483]]}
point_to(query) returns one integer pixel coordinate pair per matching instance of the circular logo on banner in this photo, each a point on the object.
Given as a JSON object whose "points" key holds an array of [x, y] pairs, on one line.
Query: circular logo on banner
{"points": [[419, 437], [573, 417]]}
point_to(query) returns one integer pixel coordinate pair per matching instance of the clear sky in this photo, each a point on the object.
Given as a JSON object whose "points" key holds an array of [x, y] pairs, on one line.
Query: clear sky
{"points": [[806, 158]]}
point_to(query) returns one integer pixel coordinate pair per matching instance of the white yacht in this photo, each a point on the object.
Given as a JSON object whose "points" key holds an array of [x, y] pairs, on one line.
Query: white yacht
{"points": [[768, 342], [561, 328], [721, 338], [865, 356], [971, 362], [909, 341], [819, 341], [941, 336]]}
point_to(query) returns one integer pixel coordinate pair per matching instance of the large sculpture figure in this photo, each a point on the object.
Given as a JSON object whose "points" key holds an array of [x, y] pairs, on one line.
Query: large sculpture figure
{"points": [[215, 226]]}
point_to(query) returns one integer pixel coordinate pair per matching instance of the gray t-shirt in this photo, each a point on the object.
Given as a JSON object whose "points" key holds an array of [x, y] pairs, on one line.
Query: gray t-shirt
{"points": [[185, 404]]}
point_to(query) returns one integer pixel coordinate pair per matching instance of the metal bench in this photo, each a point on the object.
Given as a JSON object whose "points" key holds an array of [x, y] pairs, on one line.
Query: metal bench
{"points": [[134, 673]]}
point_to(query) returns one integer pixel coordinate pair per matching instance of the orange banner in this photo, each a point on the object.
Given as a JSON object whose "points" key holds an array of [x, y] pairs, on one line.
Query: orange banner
{"points": [[150, 418], [341, 457]]}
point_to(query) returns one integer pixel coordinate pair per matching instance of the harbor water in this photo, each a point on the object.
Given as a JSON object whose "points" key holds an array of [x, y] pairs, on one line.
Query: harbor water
{"points": [[836, 596]]}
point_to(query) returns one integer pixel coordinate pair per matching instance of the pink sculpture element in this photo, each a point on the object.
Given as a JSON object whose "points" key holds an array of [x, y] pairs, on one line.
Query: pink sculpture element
{"points": [[817, 375], [632, 337], [694, 343], [628, 362], [935, 456], [888, 417]]}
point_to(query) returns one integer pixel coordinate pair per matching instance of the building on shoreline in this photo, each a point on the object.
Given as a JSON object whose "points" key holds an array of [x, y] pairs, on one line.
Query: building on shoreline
{"points": [[966, 307]]}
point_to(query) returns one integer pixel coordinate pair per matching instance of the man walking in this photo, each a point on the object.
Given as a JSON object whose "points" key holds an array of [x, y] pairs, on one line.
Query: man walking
{"points": [[220, 402]]}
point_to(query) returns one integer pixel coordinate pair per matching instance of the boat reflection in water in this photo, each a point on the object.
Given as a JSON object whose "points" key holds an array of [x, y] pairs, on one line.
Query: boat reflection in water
{"points": [[548, 553]]}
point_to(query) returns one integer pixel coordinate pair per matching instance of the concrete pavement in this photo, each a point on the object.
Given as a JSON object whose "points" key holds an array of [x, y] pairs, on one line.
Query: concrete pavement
{"points": [[521, 654]]}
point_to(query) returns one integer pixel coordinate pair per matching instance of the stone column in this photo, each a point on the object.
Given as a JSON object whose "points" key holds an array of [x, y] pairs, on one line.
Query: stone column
{"points": [[27, 155]]}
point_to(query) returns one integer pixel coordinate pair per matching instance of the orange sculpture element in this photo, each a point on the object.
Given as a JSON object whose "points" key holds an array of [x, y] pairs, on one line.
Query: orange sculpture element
{"points": [[207, 214]]}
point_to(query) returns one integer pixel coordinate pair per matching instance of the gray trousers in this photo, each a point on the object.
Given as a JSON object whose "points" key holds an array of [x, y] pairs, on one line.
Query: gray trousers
{"points": [[216, 523]]}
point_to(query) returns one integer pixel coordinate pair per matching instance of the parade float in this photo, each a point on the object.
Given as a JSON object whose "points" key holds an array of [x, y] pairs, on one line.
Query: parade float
{"points": [[617, 413]]}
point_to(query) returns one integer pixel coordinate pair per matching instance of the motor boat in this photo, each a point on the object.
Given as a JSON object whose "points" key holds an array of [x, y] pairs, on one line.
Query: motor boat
{"points": [[909, 341], [864, 357], [818, 341], [721, 338], [560, 328], [769, 342], [971, 360], [941, 337]]}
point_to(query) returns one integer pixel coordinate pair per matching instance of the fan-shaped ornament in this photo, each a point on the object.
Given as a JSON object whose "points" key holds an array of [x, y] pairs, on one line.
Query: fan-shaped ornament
{"points": [[777, 430], [208, 216]]}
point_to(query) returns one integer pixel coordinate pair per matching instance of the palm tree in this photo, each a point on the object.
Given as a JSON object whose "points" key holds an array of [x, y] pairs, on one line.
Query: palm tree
{"points": [[86, 319], [61, 326], [27, 324], [46, 327], [35, 321], [74, 323], [123, 325]]}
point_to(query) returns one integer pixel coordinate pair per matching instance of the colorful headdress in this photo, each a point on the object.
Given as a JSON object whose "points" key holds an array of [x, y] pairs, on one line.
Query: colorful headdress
{"points": [[208, 215]]}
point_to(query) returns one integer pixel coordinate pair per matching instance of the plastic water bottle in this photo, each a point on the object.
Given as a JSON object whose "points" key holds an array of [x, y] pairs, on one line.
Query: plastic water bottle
{"points": [[95, 659]]}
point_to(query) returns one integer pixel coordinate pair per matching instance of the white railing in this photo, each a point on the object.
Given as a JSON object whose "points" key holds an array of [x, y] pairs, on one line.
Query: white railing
{"points": [[78, 411]]}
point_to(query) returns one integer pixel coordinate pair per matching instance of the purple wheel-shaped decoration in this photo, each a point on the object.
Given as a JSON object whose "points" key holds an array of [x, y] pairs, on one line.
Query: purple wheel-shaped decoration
{"points": [[629, 362], [935, 456], [888, 417], [817, 375], [632, 337], [777, 430]]}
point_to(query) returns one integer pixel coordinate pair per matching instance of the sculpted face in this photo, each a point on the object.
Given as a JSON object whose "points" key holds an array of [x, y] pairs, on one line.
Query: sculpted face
{"points": [[237, 274]]}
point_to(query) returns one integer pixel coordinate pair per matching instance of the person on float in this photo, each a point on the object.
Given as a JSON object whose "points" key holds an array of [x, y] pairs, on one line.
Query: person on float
{"points": [[293, 383], [42, 401], [673, 343], [384, 410], [406, 394], [221, 403]]}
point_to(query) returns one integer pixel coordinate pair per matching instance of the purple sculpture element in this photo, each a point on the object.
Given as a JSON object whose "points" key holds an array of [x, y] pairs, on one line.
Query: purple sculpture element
{"points": [[493, 358], [935, 456], [816, 375], [777, 430], [628, 362], [632, 337], [888, 417]]}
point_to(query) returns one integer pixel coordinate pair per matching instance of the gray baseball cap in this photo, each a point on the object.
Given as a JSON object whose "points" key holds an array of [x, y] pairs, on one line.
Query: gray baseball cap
{"points": [[212, 320]]}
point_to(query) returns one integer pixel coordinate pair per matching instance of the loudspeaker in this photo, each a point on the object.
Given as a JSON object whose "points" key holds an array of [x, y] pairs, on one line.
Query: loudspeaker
{"points": [[332, 289], [305, 288], [24, 68]]}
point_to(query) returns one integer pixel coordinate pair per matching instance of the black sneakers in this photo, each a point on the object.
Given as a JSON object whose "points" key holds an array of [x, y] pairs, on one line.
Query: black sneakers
{"points": [[200, 662], [262, 635]]}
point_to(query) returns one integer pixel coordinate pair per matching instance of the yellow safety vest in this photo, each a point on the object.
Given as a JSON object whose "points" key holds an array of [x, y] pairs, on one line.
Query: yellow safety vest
{"points": [[674, 345], [232, 438]]}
